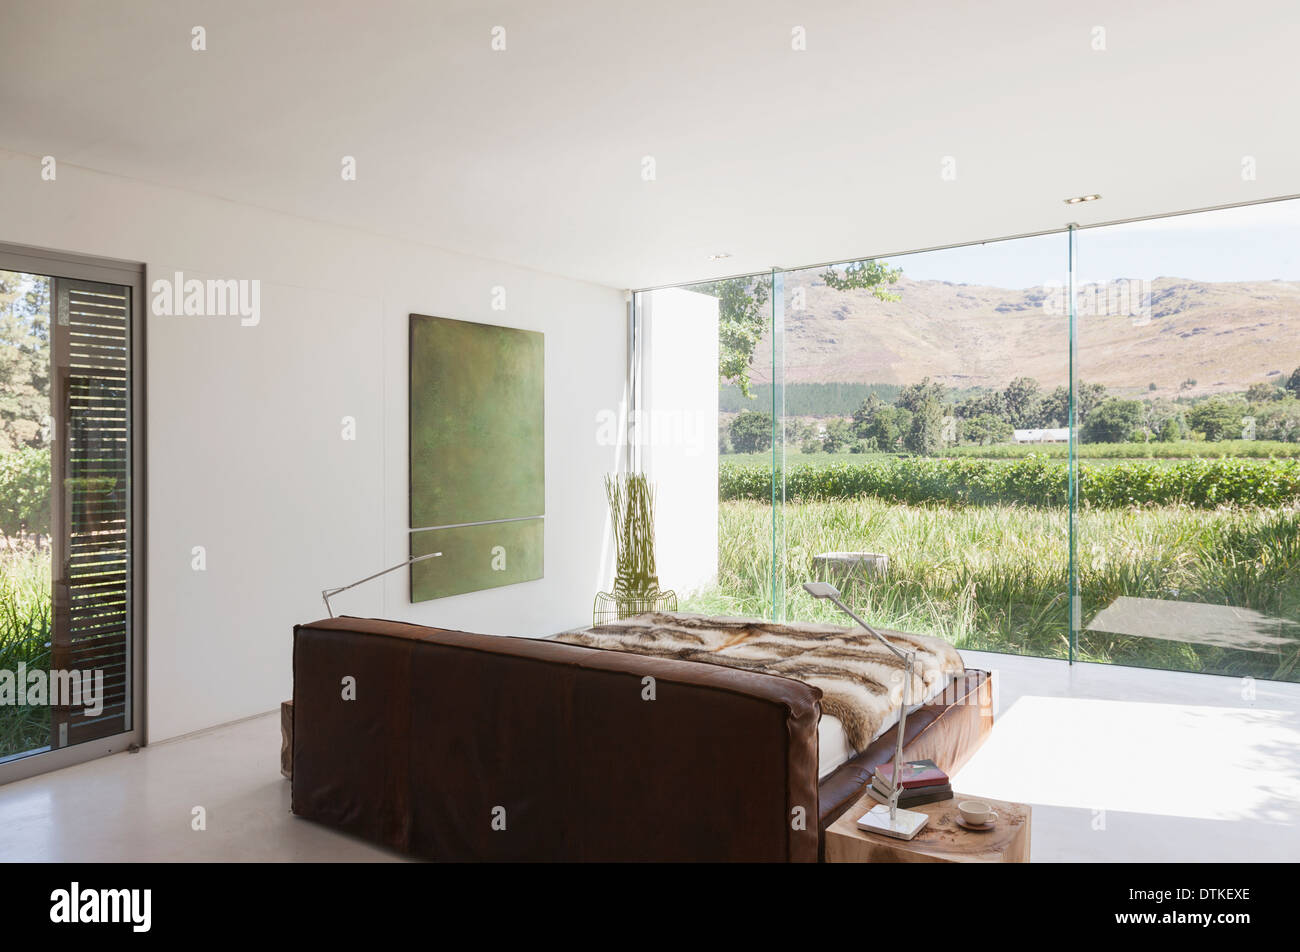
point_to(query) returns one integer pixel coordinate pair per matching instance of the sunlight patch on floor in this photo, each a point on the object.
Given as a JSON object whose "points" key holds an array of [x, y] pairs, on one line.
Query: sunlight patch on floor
{"points": [[1175, 760]]}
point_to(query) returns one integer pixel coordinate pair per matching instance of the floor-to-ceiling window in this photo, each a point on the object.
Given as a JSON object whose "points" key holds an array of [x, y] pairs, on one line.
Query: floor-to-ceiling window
{"points": [[972, 451], [1188, 350], [919, 392], [69, 510]]}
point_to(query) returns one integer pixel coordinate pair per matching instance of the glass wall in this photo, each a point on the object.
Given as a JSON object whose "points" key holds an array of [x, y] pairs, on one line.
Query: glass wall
{"points": [[917, 390], [1188, 540], [916, 430]]}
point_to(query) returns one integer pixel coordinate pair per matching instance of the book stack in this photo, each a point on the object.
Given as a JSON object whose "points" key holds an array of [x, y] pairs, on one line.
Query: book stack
{"points": [[923, 782]]}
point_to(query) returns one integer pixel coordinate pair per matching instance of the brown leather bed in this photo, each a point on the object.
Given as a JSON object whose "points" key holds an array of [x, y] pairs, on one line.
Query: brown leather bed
{"points": [[464, 747]]}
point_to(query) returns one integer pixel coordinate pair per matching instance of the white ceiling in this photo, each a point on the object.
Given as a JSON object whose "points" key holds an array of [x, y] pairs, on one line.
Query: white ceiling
{"points": [[534, 155]]}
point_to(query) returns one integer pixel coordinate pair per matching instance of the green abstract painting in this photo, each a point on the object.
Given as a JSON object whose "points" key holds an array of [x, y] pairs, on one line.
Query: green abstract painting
{"points": [[477, 453], [487, 555]]}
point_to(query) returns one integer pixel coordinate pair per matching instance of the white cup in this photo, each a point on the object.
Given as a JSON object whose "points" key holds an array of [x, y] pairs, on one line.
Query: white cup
{"points": [[976, 812]]}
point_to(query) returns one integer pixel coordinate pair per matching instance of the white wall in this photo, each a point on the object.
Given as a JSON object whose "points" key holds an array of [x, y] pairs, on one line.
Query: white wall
{"points": [[678, 432], [245, 448]]}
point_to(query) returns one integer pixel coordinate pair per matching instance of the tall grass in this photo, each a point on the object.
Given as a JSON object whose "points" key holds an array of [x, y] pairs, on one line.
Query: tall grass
{"points": [[25, 629], [996, 577]]}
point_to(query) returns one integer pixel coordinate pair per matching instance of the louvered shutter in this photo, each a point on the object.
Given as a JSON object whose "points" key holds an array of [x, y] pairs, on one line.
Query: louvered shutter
{"points": [[91, 501]]}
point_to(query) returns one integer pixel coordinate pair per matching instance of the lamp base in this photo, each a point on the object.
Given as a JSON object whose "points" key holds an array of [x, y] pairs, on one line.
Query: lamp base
{"points": [[906, 823]]}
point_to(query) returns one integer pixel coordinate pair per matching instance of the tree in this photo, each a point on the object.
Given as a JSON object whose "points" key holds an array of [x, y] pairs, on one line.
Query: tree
{"points": [[1088, 397], [864, 414], [1055, 407], [887, 428], [751, 431], [925, 436], [985, 430], [1154, 415], [1264, 392], [864, 275], [839, 434], [1171, 431], [1023, 398], [984, 404], [1293, 383], [1113, 422], [1280, 421], [24, 359], [742, 319], [916, 395], [1218, 418], [25, 491], [796, 431]]}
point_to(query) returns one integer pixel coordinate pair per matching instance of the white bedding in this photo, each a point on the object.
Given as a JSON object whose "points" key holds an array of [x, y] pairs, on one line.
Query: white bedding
{"points": [[833, 742]]}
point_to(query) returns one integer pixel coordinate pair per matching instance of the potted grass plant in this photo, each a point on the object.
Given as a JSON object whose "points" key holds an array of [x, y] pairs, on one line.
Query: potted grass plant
{"points": [[631, 499]]}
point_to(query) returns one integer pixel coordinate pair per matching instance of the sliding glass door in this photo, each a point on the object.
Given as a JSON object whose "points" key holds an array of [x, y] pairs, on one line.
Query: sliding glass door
{"points": [[70, 634]]}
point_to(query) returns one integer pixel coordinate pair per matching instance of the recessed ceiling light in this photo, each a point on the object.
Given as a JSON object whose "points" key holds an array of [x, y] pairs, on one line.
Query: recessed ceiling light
{"points": [[1081, 198], [719, 256]]}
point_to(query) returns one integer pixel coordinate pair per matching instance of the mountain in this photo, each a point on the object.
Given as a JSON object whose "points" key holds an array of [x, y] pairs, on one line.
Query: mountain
{"points": [[1225, 336]]}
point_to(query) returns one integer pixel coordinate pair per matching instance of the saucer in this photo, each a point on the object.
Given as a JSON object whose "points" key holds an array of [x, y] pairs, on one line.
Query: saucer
{"points": [[980, 828]]}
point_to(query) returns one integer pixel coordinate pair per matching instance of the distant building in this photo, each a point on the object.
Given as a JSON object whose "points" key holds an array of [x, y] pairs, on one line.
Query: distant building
{"points": [[1049, 435]]}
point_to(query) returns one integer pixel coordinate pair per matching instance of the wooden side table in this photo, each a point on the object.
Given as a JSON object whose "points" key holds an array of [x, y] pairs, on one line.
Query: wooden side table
{"points": [[942, 840]]}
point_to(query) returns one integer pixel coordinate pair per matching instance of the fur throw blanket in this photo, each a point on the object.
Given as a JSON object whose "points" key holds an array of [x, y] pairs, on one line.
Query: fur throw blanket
{"points": [[861, 680]]}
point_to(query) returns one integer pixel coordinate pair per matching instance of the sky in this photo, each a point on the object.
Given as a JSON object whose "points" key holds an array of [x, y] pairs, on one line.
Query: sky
{"points": [[1250, 243]]}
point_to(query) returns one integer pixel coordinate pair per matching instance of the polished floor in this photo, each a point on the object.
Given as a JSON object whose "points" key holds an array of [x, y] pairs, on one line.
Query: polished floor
{"points": [[1120, 764]]}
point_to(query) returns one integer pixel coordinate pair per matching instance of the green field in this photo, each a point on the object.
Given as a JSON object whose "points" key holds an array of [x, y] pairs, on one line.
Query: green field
{"points": [[995, 577]]}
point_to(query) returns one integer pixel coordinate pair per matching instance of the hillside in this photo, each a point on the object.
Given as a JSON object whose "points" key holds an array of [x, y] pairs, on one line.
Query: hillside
{"points": [[1226, 336]]}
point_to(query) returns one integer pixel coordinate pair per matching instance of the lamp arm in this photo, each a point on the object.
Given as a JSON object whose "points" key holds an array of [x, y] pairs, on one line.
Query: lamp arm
{"points": [[909, 658], [328, 593], [852, 614]]}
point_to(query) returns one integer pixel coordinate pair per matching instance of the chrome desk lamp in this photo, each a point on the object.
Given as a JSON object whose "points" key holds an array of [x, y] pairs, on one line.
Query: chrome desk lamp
{"points": [[886, 819]]}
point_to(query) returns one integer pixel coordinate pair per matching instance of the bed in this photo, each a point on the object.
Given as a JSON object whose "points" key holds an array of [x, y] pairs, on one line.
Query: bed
{"points": [[860, 679], [463, 746]]}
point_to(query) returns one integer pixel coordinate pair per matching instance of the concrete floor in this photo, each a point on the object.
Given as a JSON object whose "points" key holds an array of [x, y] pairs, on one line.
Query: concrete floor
{"points": [[1120, 764]]}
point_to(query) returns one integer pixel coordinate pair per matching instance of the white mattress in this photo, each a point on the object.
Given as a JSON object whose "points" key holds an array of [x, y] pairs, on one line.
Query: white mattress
{"points": [[833, 743]]}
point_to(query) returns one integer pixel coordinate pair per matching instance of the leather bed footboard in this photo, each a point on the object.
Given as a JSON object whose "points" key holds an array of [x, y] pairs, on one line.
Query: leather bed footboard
{"points": [[463, 747], [456, 746]]}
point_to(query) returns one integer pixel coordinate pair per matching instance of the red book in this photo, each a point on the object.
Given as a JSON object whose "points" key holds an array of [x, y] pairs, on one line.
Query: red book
{"points": [[916, 773]]}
